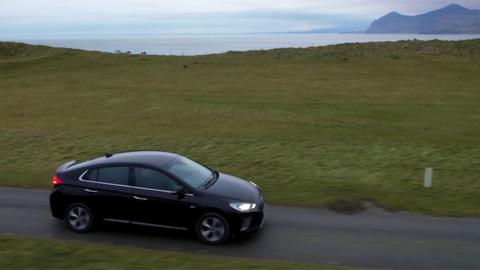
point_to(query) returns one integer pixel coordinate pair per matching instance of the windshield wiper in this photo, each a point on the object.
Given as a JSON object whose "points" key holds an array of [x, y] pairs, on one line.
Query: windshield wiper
{"points": [[212, 180]]}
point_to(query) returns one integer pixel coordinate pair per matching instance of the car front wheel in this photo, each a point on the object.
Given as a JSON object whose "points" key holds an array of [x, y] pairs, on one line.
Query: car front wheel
{"points": [[79, 218], [213, 228]]}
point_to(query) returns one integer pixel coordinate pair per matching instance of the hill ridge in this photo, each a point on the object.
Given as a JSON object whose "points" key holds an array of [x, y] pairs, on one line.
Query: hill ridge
{"points": [[452, 19]]}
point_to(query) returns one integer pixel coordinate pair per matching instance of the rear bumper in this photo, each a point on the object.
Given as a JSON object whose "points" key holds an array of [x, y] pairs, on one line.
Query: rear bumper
{"points": [[56, 207]]}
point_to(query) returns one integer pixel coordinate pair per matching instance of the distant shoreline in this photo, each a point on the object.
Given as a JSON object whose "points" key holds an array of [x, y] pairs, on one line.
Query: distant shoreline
{"points": [[10, 38], [182, 44]]}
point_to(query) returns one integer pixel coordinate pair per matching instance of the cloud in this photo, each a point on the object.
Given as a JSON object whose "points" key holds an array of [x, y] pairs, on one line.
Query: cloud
{"points": [[42, 16]]}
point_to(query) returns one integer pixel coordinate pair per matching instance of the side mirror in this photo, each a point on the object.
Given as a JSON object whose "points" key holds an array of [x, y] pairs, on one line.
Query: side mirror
{"points": [[181, 192]]}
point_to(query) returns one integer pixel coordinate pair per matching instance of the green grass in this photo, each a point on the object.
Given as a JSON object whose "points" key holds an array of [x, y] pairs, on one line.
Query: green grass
{"points": [[25, 253], [311, 126]]}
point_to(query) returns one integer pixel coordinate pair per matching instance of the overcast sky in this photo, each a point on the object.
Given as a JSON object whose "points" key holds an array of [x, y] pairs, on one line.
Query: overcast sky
{"points": [[90, 17]]}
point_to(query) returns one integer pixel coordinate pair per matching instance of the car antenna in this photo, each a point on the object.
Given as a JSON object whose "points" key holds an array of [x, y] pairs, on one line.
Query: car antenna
{"points": [[107, 155]]}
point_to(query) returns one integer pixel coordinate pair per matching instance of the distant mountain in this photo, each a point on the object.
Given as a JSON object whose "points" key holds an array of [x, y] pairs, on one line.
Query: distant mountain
{"points": [[452, 19]]}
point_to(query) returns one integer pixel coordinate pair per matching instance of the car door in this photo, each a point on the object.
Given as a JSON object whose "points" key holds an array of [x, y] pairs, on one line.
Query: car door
{"points": [[156, 201], [108, 192]]}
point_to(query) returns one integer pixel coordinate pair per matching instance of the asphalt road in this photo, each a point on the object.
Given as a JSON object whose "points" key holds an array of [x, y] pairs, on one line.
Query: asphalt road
{"points": [[372, 239]]}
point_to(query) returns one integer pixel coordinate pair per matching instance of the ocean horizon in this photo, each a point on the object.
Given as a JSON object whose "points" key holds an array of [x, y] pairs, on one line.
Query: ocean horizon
{"points": [[202, 44]]}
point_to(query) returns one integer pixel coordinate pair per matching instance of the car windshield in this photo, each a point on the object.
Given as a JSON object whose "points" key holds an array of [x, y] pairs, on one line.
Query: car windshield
{"points": [[190, 171]]}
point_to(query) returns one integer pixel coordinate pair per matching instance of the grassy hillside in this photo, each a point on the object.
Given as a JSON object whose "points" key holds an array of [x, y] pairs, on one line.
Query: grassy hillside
{"points": [[24, 253], [311, 126]]}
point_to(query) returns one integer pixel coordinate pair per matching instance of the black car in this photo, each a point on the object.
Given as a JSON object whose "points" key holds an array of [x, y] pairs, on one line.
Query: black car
{"points": [[157, 189]]}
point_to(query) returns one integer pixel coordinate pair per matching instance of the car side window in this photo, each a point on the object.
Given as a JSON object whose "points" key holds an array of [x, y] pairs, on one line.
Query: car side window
{"points": [[113, 175], [148, 178], [91, 175]]}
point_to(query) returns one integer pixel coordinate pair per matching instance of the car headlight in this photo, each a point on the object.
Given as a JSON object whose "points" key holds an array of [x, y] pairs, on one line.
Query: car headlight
{"points": [[243, 207]]}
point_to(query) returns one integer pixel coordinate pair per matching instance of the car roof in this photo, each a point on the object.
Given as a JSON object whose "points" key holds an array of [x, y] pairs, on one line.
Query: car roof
{"points": [[148, 158]]}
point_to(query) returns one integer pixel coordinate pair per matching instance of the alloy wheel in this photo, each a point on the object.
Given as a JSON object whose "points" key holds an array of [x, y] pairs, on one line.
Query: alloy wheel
{"points": [[79, 218], [212, 229]]}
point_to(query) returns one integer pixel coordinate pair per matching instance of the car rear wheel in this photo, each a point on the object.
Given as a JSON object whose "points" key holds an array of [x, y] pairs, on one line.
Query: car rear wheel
{"points": [[79, 218], [213, 229]]}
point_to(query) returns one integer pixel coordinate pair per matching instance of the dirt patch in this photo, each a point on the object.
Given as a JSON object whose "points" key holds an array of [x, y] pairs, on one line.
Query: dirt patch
{"points": [[346, 206]]}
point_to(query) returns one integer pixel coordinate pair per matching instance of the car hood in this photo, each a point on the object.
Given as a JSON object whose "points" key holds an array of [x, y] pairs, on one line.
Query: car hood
{"points": [[232, 187]]}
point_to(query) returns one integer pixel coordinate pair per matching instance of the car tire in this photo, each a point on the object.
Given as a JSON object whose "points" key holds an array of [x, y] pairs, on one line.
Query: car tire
{"points": [[213, 229], [79, 218]]}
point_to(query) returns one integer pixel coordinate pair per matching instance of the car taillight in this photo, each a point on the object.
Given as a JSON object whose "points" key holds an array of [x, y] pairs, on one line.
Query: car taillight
{"points": [[56, 180]]}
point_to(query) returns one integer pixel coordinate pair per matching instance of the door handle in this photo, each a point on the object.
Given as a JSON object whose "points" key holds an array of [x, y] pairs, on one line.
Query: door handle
{"points": [[140, 198], [90, 190]]}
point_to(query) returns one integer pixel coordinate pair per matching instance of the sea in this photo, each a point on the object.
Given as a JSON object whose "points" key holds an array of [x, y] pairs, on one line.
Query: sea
{"points": [[201, 44]]}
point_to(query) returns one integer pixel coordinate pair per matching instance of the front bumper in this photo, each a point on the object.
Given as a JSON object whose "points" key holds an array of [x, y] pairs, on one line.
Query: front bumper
{"points": [[251, 222]]}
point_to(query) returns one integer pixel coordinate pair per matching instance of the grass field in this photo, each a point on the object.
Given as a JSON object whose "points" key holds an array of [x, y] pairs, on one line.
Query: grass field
{"points": [[25, 253], [311, 126]]}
